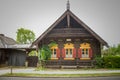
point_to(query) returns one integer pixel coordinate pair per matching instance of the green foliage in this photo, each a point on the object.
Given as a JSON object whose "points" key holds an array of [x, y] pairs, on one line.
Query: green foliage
{"points": [[45, 53], [40, 68], [112, 51], [118, 50], [53, 43], [32, 53], [108, 62], [99, 63], [25, 36], [112, 61]]}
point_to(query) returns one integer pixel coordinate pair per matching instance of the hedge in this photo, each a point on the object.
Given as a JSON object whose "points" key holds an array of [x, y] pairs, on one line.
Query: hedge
{"points": [[111, 61], [108, 62]]}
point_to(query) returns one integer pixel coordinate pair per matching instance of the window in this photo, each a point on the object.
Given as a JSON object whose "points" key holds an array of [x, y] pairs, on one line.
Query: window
{"points": [[54, 50], [69, 53], [54, 53], [85, 51]]}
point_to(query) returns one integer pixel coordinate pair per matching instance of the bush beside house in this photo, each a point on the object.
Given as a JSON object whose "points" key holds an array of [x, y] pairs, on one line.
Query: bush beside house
{"points": [[110, 59], [108, 62]]}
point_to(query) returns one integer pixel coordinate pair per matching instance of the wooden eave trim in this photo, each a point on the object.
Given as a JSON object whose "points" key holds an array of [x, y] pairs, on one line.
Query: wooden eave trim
{"points": [[68, 20], [88, 28], [66, 13], [50, 28]]}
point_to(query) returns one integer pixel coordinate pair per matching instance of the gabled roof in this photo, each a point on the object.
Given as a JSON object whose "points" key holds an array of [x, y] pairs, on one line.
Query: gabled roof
{"points": [[9, 43], [5, 41], [68, 12]]}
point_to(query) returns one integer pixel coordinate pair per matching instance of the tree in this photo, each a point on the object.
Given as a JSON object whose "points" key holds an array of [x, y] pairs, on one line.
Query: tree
{"points": [[118, 50], [112, 51], [25, 36], [45, 52], [32, 53]]}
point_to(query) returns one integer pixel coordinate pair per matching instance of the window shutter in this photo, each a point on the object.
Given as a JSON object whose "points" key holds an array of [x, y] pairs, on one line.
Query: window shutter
{"points": [[63, 53], [79, 53], [58, 53], [74, 53], [90, 53]]}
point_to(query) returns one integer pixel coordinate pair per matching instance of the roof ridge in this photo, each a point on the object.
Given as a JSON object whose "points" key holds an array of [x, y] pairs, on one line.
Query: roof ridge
{"points": [[68, 12]]}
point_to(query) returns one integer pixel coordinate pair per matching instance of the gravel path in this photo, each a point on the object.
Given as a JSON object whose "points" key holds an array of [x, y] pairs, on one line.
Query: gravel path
{"points": [[58, 71]]}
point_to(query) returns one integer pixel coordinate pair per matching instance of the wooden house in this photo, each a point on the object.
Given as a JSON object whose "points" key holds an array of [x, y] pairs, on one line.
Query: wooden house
{"points": [[4, 52], [77, 44], [12, 53]]}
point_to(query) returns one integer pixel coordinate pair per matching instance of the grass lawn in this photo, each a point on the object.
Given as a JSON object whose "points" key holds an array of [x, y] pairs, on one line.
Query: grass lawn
{"points": [[60, 75], [82, 69], [76, 69]]}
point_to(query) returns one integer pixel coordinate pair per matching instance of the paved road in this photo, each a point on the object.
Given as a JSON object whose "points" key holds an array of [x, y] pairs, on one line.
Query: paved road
{"points": [[87, 78]]}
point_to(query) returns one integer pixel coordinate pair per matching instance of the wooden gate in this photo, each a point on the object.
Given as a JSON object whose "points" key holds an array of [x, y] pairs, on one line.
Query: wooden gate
{"points": [[32, 61]]}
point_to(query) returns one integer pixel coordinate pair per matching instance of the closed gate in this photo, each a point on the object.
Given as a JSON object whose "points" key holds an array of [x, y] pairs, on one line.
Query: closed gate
{"points": [[32, 61]]}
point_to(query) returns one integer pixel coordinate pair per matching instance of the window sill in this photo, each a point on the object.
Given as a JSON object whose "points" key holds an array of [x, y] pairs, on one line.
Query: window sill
{"points": [[54, 58], [69, 58], [85, 58]]}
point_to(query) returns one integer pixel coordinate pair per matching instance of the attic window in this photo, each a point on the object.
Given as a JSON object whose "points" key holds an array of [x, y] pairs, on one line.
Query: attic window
{"points": [[68, 39]]}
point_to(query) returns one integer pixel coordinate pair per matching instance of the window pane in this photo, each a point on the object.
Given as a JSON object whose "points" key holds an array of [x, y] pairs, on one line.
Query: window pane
{"points": [[70, 52], [54, 51], [83, 54], [66, 51], [82, 51], [86, 51]]}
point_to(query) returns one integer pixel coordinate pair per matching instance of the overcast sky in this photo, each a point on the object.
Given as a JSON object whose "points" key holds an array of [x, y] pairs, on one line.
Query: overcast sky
{"points": [[102, 16]]}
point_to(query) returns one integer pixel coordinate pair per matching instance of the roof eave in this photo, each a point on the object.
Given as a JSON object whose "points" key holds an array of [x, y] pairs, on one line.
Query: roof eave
{"points": [[49, 29]]}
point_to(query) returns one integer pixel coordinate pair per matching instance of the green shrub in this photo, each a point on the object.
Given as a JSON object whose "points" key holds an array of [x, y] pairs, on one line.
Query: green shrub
{"points": [[107, 62], [111, 61], [32, 53], [99, 62], [112, 51]]}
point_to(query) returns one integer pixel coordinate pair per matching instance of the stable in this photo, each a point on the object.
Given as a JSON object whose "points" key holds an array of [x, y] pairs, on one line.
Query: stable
{"points": [[77, 44], [13, 54]]}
